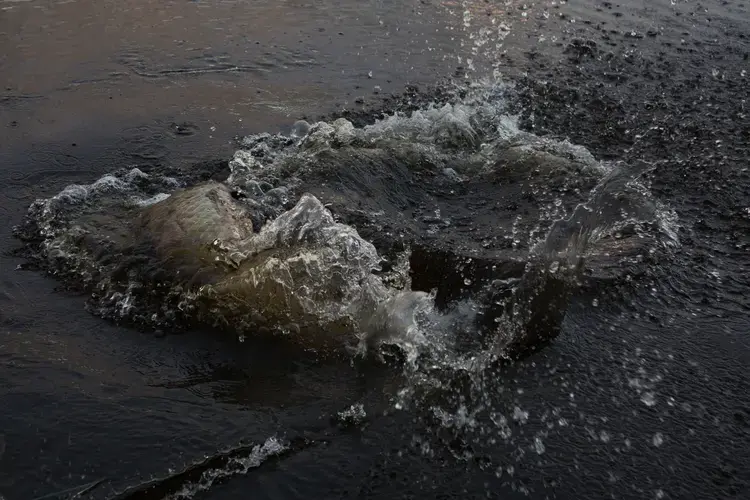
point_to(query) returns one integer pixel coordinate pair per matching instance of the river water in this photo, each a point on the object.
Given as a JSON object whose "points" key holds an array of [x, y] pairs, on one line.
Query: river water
{"points": [[644, 392]]}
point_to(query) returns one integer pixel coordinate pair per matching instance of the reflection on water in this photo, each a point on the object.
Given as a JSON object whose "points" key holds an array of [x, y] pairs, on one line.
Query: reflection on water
{"points": [[70, 64]]}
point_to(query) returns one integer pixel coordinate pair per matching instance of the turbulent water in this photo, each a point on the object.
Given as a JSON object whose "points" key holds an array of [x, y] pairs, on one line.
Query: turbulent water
{"points": [[281, 246], [530, 281]]}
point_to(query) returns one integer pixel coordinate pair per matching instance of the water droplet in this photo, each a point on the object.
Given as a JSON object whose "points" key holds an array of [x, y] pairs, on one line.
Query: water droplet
{"points": [[658, 439], [241, 338], [604, 436], [538, 446], [467, 281], [648, 399], [520, 416], [595, 302]]}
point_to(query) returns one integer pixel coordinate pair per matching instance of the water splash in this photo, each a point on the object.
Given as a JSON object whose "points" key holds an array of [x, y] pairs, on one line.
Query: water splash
{"points": [[301, 237]]}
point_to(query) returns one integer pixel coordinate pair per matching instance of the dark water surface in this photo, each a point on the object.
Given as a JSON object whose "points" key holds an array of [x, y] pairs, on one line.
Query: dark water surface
{"points": [[645, 393]]}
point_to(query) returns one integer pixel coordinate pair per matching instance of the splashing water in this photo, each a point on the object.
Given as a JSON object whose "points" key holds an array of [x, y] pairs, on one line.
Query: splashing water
{"points": [[491, 226]]}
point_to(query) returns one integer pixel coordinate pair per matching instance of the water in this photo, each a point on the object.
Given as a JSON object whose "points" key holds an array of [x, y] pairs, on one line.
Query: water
{"points": [[646, 365]]}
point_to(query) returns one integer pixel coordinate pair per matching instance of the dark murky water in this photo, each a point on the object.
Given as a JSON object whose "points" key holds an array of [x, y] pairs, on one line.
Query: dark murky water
{"points": [[644, 393]]}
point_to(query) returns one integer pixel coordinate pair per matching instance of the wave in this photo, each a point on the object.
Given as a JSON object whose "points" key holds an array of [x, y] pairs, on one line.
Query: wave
{"points": [[201, 476]]}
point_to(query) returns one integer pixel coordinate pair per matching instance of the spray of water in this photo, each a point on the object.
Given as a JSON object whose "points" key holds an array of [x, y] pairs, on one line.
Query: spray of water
{"points": [[294, 242]]}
